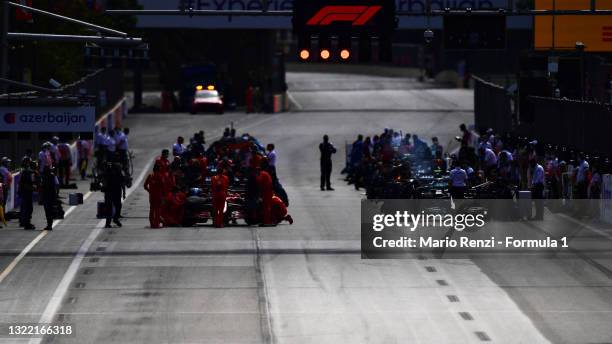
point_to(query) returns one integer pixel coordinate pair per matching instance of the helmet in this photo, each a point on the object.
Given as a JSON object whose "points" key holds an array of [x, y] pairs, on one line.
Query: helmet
{"points": [[6, 161], [46, 145]]}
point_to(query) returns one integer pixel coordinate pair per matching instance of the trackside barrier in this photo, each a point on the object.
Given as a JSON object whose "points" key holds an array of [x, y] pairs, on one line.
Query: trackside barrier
{"points": [[280, 102], [606, 198], [112, 119], [492, 107]]}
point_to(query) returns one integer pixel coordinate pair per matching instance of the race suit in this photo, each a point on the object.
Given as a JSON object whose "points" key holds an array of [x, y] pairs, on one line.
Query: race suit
{"points": [[264, 183], [155, 186], [219, 184]]}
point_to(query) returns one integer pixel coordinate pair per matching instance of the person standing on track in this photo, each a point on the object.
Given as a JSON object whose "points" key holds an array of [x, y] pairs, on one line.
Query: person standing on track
{"points": [[458, 181], [114, 189], [163, 162], [271, 156], [111, 146], [179, 148], [44, 158], [7, 178], [49, 196], [219, 184], [537, 189], [26, 191], [83, 149], [65, 162], [154, 184], [121, 138], [327, 149]]}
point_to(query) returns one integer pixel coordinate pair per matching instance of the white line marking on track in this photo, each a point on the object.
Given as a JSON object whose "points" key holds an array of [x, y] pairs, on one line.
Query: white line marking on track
{"points": [[62, 288], [582, 224], [25, 251], [33, 243], [294, 101]]}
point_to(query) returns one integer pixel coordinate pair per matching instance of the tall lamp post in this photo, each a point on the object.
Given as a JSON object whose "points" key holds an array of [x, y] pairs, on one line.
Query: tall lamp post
{"points": [[580, 48]]}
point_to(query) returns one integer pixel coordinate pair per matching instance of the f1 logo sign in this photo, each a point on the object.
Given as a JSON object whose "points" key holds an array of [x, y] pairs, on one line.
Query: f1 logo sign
{"points": [[357, 15]]}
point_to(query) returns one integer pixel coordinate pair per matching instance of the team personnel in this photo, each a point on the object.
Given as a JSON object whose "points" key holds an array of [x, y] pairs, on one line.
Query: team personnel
{"points": [[179, 148], [581, 177], [279, 211], [53, 150], [436, 147], [466, 136], [266, 192], [26, 191], [49, 195], [44, 157], [327, 149], [7, 178], [114, 189], [219, 184], [271, 156], [100, 146], [121, 139], [154, 184], [488, 160], [64, 162], [458, 180], [111, 146], [163, 162], [84, 149], [537, 189]]}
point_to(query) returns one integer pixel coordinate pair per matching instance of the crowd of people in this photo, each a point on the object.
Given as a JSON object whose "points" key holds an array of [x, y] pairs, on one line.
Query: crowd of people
{"points": [[234, 167], [512, 162], [111, 146], [239, 167], [381, 157], [51, 169]]}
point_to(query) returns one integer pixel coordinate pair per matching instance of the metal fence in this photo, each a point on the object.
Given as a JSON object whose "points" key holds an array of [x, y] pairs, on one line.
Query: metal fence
{"points": [[575, 124], [492, 107], [579, 125]]}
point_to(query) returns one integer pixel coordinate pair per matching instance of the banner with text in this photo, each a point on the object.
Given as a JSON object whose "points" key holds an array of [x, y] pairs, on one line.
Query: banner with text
{"points": [[48, 119]]}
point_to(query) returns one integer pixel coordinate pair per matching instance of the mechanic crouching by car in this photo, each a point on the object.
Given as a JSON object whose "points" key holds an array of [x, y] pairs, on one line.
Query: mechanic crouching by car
{"points": [[266, 192]]}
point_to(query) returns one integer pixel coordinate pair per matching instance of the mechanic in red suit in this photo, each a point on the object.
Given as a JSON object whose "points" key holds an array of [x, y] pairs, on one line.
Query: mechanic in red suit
{"points": [[154, 184], [168, 181], [219, 184], [163, 161], [279, 211], [266, 192], [173, 210], [203, 167]]}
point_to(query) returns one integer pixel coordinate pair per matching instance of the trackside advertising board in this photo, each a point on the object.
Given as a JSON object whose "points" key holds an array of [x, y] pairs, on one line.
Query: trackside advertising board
{"points": [[284, 22], [594, 31], [47, 119]]}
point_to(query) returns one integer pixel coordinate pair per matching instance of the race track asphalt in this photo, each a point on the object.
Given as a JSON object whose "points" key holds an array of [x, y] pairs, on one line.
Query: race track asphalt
{"points": [[306, 282]]}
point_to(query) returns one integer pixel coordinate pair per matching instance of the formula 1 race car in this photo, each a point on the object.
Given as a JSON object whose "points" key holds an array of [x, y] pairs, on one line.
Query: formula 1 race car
{"points": [[436, 188], [198, 208]]}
